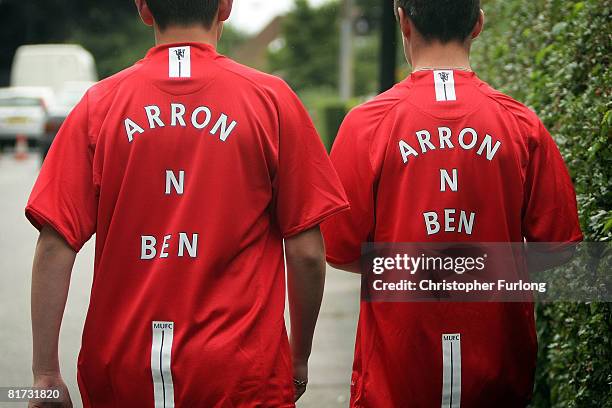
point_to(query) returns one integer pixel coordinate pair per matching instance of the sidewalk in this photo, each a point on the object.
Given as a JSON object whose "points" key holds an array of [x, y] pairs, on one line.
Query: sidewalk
{"points": [[332, 355]]}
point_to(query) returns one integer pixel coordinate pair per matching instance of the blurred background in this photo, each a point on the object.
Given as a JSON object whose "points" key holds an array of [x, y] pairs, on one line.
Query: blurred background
{"points": [[554, 55]]}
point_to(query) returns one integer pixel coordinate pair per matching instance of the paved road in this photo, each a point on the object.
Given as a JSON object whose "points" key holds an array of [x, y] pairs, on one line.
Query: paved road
{"points": [[332, 355]]}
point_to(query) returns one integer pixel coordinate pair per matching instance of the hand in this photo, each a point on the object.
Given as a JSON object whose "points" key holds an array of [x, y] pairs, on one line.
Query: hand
{"points": [[300, 378], [52, 381]]}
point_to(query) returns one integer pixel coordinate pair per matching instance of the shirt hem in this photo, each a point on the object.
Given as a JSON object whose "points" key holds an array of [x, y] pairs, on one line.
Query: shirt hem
{"points": [[315, 221], [38, 219], [558, 245], [338, 261]]}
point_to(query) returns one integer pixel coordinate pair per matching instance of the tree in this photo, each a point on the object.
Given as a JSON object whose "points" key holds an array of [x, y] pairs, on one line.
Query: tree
{"points": [[309, 55], [555, 56], [107, 29], [111, 30], [231, 39]]}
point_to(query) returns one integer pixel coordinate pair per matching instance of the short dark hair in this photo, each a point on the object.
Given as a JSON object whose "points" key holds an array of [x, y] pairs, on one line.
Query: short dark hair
{"points": [[442, 20], [183, 12]]}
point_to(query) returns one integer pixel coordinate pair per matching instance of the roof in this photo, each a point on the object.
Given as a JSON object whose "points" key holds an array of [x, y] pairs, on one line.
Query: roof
{"points": [[254, 51], [51, 48], [27, 91]]}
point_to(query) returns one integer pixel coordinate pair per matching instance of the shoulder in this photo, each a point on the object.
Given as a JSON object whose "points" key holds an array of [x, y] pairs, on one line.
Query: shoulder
{"points": [[526, 117], [97, 100], [252, 78], [534, 133], [364, 130], [108, 85], [371, 113]]}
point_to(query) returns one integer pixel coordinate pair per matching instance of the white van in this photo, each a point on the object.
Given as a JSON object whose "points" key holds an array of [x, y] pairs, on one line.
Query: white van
{"points": [[52, 65]]}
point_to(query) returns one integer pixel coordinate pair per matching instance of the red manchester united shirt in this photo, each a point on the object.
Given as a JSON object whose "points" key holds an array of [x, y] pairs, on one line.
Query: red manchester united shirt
{"points": [[190, 169], [442, 157]]}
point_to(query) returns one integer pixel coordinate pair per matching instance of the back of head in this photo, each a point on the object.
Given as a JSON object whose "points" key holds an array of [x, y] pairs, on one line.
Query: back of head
{"points": [[183, 13], [442, 20]]}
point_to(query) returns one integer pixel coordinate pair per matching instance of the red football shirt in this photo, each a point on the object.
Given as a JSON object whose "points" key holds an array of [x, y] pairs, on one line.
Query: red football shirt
{"points": [[442, 157], [190, 169]]}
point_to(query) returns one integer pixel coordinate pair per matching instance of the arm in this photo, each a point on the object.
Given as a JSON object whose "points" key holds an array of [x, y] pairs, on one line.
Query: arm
{"points": [[351, 156], [51, 272], [305, 254], [550, 212]]}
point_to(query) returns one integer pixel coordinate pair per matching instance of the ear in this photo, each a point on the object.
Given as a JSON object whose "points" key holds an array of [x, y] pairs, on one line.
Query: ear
{"points": [[145, 13], [225, 9], [404, 22], [479, 26]]}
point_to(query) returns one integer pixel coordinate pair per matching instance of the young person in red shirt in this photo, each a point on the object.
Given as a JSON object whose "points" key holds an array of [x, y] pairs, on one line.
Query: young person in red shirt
{"points": [[191, 170], [442, 157]]}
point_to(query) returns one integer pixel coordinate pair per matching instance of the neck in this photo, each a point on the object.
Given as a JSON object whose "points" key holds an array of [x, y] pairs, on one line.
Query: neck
{"points": [[438, 55], [198, 34]]}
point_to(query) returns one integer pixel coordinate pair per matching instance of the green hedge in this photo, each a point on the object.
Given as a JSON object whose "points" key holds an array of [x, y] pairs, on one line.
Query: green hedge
{"points": [[555, 55], [327, 111]]}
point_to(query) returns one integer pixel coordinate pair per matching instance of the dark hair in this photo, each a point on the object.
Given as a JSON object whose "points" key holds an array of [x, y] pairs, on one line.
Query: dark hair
{"points": [[183, 12], [442, 20]]}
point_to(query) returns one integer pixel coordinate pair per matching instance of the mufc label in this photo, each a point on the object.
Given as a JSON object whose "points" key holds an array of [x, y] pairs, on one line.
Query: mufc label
{"points": [[451, 374], [445, 85], [179, 62], [161, 361]]}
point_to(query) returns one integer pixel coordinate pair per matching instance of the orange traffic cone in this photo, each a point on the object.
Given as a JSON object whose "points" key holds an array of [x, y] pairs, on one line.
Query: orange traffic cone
{"points": [[21, 148]]}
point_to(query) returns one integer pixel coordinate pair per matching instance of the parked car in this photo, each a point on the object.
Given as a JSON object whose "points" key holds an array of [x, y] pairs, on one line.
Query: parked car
{"points": [[66, 99], [23, 111], [52, 65], [68, 69]]}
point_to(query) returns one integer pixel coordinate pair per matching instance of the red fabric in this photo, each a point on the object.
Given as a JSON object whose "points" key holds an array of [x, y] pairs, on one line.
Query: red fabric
{"points": [[271, 178], [523, 192]]}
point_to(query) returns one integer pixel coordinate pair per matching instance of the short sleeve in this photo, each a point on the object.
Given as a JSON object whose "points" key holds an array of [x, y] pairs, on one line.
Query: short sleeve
{"points": [[550, 211], [345, 234], [65, 195], [307, 188]]}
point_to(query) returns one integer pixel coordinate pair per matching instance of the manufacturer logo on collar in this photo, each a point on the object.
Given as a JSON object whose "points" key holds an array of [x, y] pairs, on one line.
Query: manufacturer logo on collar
{"points": [[445, 86], [179, 62]]}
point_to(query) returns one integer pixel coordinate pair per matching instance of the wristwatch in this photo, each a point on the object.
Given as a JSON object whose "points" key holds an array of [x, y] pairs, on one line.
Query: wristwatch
{"points": [[299, 383]]}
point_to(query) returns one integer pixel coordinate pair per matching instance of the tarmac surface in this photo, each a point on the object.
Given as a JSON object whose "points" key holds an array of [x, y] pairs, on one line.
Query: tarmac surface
{"points": [[330, 365]]}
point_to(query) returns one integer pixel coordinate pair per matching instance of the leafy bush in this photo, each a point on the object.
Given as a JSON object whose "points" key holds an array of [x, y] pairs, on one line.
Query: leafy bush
{"points": [[555, 56], [302, 61], [327, 111]]}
